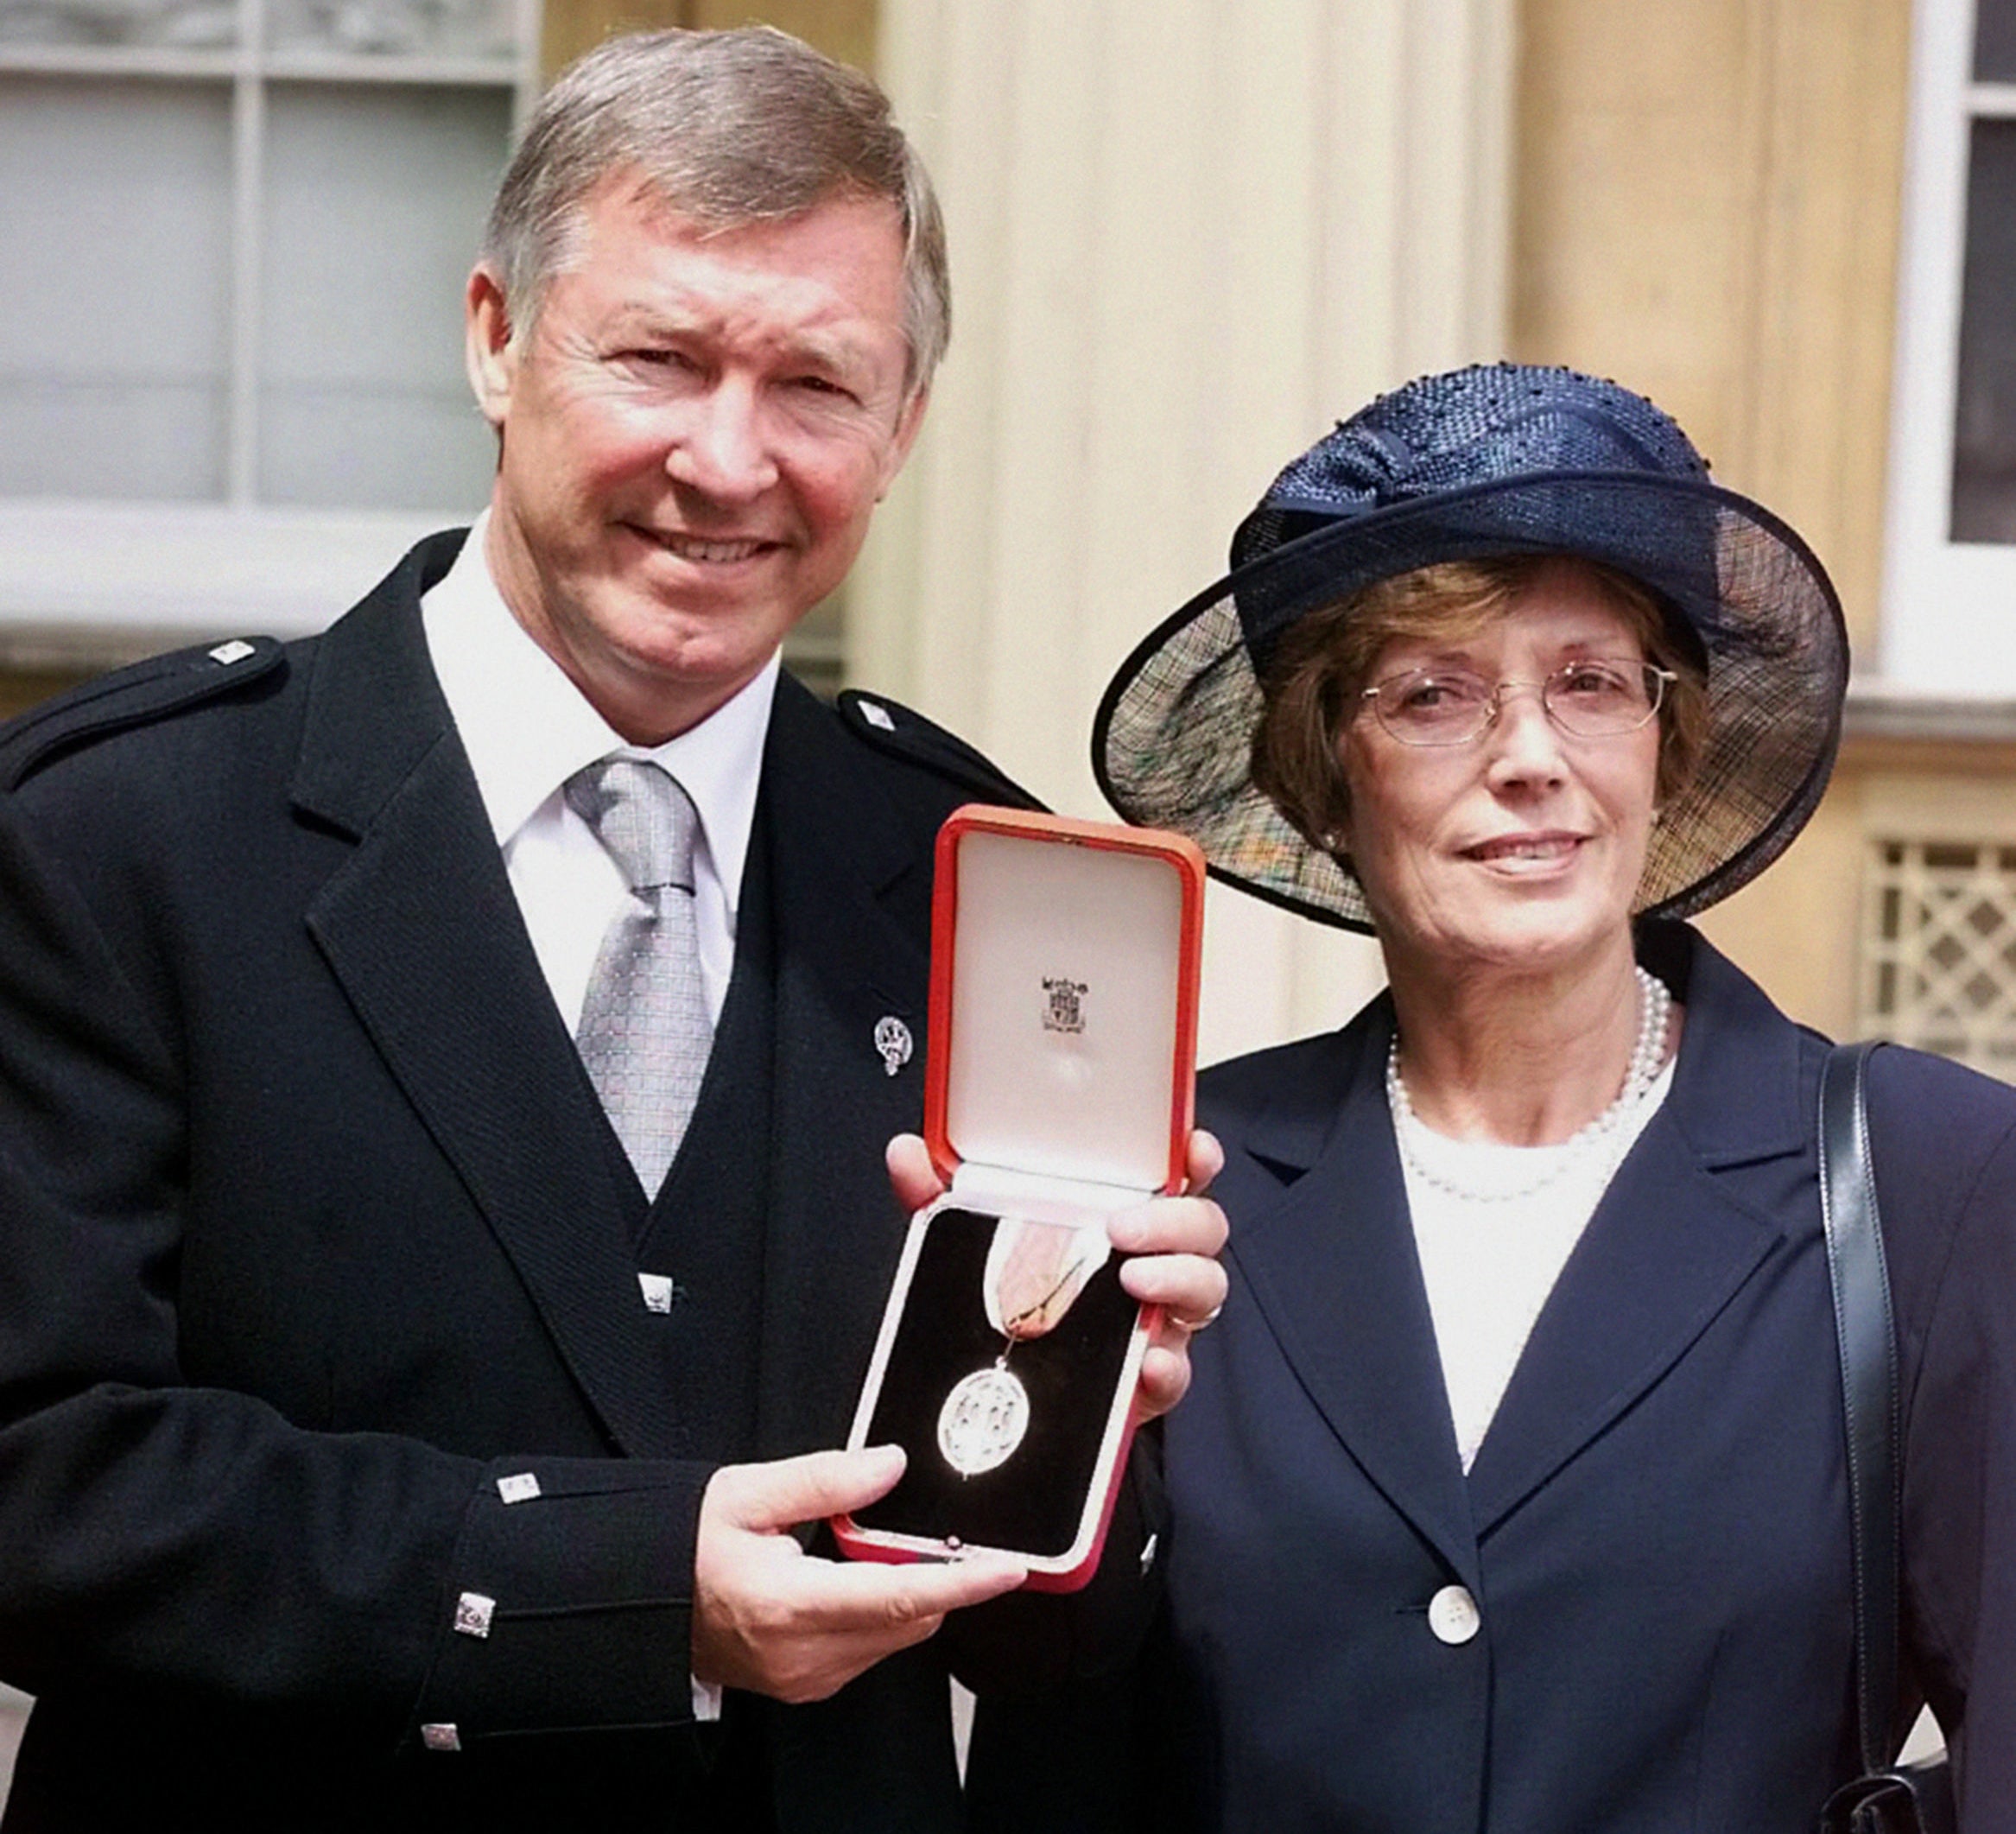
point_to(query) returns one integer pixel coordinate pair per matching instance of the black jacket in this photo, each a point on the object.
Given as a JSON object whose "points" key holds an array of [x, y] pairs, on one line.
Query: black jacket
{"points": [[311, 1233]]}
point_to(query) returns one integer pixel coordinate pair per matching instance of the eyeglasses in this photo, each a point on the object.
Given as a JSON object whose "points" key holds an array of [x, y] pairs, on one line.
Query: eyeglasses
{"points": [[1592, 697]]}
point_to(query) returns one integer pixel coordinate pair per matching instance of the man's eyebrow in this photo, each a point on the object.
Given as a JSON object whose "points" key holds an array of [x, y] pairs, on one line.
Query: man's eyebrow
{"points": [[636, 317], [837, 354]]}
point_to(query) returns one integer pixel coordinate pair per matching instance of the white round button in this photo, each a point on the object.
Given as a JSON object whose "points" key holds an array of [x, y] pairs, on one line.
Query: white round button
{"points": [[1452, 1614]]}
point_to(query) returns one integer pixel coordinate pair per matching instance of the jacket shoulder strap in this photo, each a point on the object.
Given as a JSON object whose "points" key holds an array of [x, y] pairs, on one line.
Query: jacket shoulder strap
{"points": [[154, 690]]}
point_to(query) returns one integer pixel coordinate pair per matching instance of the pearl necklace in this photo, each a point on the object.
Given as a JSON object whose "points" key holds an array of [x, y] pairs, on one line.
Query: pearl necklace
{"points": [[1586, 1146]]}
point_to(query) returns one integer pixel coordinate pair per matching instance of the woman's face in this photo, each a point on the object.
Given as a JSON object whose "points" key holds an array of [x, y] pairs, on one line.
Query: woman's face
{"points": [[1522, 848]]}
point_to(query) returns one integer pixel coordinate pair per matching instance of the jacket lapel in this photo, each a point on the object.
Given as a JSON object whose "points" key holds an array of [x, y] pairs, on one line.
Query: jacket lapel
{"points": [[1332, 1267], [851, 895], [420, 928], [1671, 1242]]}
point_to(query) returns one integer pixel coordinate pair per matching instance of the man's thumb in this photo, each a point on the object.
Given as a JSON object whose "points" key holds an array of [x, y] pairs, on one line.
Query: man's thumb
{"points": [[789, 1491]]}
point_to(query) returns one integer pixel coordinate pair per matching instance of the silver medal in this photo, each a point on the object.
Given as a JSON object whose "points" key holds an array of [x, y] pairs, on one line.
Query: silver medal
{"points": [[983, 1420]]}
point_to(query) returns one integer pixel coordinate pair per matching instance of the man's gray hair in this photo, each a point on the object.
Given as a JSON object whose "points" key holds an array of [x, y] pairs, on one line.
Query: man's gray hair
{"points": [[728, 129]]}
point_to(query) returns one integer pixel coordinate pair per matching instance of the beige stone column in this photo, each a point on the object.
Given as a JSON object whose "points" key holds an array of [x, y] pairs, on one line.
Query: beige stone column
{"points": [[1187, 235]]}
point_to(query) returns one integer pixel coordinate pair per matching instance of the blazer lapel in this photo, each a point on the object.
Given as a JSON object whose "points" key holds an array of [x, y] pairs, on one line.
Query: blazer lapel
{"points": [[1671, 1242], [850, 897], [1332, 1267], [420, 928]]}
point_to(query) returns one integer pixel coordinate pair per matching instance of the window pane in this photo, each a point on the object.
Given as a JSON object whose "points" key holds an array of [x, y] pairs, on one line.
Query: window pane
{"points": [[114, 268], [1994, 41], [375, 201], [188, 25], [398, 28], [1984, 448]]}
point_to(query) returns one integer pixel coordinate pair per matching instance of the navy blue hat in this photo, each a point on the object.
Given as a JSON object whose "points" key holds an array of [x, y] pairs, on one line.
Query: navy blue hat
{"points": [[1495, 461]]}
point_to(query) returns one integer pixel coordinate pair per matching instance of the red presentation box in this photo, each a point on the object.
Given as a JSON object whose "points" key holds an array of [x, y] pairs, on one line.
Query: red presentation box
{"points": [[1059, 1090]]}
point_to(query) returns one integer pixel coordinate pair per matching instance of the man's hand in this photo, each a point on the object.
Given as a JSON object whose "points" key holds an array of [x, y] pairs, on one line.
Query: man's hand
{"points": [[769, 1617], [1174, 1242]]}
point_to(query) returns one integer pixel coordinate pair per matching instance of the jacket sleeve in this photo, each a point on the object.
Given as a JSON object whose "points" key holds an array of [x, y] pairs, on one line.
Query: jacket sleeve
{"points": [[1945, 1157], [159, 1533]]}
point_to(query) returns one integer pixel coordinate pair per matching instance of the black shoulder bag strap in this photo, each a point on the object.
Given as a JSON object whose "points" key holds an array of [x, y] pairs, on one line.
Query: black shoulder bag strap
{"points": [[1888, 1798]]}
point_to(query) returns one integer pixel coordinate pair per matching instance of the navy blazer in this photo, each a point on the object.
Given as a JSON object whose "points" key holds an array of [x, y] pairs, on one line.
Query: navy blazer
{"points": [[1654, 1530]]}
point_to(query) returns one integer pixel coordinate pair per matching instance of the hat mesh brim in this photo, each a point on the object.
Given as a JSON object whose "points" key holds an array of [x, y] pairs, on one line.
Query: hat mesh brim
{"points": [[1172, 743]]}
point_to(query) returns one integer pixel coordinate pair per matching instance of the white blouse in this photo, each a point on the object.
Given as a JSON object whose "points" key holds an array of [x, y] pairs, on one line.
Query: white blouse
{"points": [[1489, 1262]]}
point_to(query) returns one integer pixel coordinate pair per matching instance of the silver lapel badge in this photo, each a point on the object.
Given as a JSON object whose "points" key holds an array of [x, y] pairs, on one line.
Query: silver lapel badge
{"points": [[892, 1039]]}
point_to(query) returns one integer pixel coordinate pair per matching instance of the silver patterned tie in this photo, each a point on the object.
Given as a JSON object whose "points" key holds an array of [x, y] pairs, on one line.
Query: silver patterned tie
{"points": [[644, 1033]]}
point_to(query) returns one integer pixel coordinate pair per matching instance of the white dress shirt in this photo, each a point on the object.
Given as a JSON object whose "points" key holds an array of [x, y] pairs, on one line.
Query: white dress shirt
{"points": [[527, 730]]}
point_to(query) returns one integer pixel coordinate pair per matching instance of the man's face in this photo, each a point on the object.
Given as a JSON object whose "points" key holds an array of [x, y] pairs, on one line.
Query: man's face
{"points": [[695, 432]]}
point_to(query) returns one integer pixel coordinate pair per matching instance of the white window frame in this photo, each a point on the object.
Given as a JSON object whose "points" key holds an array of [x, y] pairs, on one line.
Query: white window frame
{"points": [[82, 582], [1949, 608]]}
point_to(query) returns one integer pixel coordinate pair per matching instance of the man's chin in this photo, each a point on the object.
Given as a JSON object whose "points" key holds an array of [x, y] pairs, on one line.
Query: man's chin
{"points": [[695, 657], [663, 688]]}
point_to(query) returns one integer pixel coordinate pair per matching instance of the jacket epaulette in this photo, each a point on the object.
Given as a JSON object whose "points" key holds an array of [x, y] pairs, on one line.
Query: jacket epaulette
{"points": [[130, 697], [892, 729]]}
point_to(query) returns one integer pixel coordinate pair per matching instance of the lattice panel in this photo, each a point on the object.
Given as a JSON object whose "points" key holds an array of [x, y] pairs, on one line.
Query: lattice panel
{"points": [[1939, 950]]}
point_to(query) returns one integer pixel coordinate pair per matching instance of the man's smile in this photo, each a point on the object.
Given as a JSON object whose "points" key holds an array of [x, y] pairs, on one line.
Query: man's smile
{"points": [[704, 549]]}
